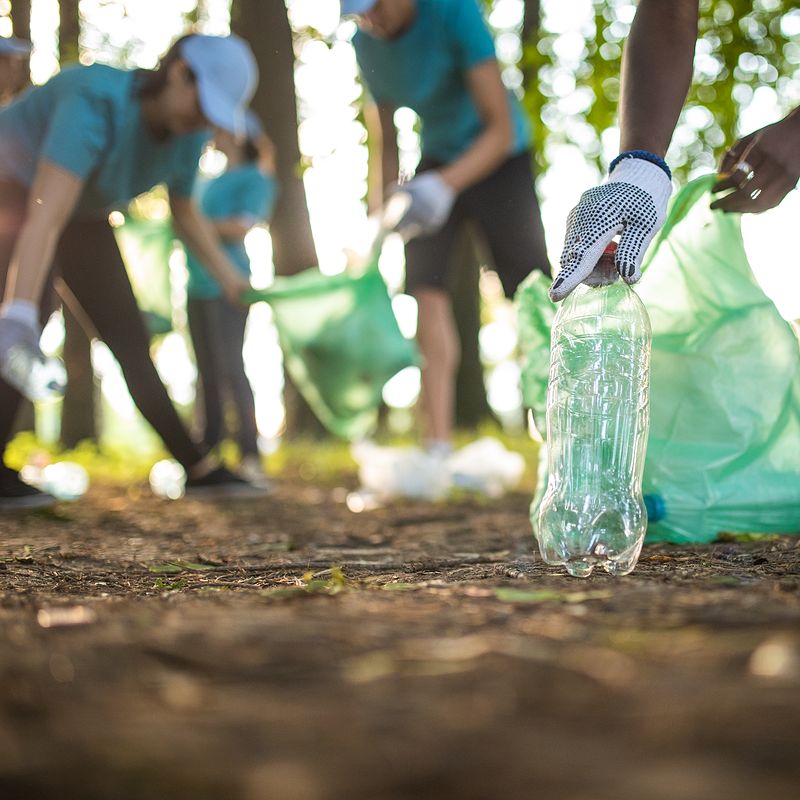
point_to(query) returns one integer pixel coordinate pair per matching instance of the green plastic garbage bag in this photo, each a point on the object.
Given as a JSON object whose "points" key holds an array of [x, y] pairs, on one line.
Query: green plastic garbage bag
{"points": [[341, 343], [535, 318], [724, 445], [146, 246]]}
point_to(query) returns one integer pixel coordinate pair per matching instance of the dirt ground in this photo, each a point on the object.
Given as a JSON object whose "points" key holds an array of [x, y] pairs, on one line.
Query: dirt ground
{"points": [[288, 648]]}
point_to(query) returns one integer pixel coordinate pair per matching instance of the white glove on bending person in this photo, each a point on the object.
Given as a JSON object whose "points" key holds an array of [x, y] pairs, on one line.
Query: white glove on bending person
{"points": [[633, 203], [19, 330], [22, 363]]}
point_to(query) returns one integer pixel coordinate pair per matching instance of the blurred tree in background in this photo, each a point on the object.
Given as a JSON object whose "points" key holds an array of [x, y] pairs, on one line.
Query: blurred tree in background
{"points": [[264, 23], [742, 45]]}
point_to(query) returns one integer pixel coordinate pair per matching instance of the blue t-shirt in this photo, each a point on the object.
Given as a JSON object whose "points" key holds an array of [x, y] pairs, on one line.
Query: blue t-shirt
{"points": [[88, 120], [425, 69], [243, 192]]}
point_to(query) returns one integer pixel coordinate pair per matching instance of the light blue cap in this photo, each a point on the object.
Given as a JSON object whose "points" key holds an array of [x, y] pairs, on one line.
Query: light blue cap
{"points": [[12, 46], [351, 7], [227, 76]]}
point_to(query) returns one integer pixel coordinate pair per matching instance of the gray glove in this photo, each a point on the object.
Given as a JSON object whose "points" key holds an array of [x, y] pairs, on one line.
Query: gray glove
{"points": [[431, 200], [22, 363], [633, 203]]}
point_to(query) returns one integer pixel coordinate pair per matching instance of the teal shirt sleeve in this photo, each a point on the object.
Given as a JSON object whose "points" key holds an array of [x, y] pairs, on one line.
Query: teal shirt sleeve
{"points": [[78, 134], [469, 33]]}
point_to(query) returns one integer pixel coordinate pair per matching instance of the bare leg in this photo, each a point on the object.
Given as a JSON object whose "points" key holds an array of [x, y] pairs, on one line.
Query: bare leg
{"points": [[438, 342]]}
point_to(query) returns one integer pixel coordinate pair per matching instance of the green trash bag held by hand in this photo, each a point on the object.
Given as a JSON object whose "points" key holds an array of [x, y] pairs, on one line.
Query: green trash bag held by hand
{"points": [[724, 444], [341, 343]]}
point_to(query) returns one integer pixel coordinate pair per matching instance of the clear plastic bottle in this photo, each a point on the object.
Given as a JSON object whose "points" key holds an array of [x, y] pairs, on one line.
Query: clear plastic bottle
{"points": [[593, 512]]}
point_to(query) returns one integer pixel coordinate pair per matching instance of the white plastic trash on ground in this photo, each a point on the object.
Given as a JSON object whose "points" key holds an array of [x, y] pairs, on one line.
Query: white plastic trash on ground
{"points": [[64, 480], [388, 473], [486, 466]]}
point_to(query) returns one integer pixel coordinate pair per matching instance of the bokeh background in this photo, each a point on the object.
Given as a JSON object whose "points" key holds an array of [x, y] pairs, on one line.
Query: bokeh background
{"points": [[561, 57]]}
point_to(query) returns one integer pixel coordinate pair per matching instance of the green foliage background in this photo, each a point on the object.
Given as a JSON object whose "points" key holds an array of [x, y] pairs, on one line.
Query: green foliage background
{"points": [[742, 45]]}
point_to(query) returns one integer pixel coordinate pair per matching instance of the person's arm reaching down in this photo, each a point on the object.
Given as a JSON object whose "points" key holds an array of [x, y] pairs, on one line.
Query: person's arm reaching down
{"points": [[198, 234], [433, 193], [656, 73], [52, 199]]}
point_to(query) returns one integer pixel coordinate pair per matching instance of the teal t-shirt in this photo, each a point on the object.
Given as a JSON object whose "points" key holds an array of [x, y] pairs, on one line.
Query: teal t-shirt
{"points": [[88, 120], [243, 192], [425, 69]]}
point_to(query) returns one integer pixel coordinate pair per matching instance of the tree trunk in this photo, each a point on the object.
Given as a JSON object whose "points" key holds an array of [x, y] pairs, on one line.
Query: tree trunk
{"points": [[78, 418], [531, 19], [265, 25], [472, 406], [21, 18], [69, 31]]}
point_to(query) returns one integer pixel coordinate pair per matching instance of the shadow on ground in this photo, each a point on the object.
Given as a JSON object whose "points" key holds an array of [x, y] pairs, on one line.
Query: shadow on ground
{"points": [[289, 649]]}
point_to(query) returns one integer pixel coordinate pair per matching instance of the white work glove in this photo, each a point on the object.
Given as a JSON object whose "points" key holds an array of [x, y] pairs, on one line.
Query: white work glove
{"points": [[431, 200], [19, 341], [632, 202]]}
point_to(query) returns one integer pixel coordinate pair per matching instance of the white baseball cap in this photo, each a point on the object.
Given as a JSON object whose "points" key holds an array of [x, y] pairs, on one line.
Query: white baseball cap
{"points": [[227, 76], [352, 7], [12, 46]]}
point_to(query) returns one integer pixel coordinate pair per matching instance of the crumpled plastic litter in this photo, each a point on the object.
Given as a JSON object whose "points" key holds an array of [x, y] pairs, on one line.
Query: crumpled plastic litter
{"points": [[389, 473], [64, 480]]}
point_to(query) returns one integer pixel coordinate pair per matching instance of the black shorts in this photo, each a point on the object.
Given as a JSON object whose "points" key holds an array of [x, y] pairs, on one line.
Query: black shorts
{"points": [[505, 209]]}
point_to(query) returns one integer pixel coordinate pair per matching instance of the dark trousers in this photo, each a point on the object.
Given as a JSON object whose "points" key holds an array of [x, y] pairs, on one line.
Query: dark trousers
{"points": [[217, 330], [505, 208], [90, 265]]}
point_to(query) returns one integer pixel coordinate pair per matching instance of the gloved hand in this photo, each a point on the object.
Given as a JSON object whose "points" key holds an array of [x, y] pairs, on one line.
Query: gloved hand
{"points": [[632, 202], [431, 201], [19, 341]]}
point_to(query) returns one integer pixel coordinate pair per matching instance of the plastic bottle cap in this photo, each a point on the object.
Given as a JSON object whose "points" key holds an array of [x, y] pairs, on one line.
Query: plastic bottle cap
{"points": [[605, 271]]}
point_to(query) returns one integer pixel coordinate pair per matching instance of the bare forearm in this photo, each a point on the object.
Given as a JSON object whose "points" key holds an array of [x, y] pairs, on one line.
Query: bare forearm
{"points": [[486, 153], [199, 236], [656, 73], [51, 201], [493, 145], [30, 263]]}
